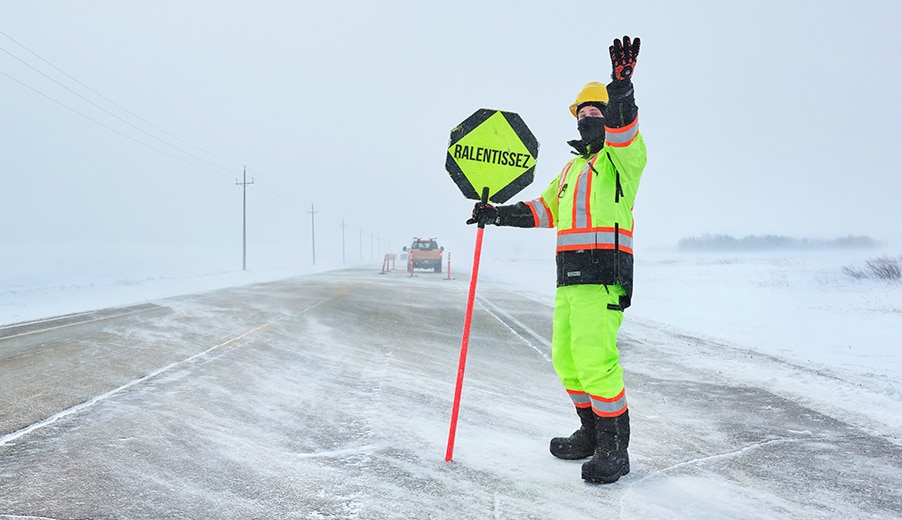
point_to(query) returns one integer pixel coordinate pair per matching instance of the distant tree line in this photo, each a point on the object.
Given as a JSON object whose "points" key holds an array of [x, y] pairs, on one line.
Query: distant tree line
{"points": [[770, 242]]}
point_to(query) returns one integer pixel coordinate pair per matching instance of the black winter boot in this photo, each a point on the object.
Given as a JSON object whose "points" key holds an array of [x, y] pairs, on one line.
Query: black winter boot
{"points": [[581, 443], [611, 460]]}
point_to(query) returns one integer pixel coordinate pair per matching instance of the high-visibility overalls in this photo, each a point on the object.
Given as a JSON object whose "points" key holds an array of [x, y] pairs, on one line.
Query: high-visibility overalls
{"points": [[590, 203]]}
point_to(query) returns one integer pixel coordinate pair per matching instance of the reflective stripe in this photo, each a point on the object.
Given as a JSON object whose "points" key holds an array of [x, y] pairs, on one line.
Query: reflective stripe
{"points": [[580, 399], [620, 137], [580, 200], [540, 213], [563, 181], [609, 407], [582, 214], [598, 238]]}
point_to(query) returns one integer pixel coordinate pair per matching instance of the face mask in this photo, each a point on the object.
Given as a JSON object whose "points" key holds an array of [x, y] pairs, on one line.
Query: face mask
{"points": [[591, 129]]}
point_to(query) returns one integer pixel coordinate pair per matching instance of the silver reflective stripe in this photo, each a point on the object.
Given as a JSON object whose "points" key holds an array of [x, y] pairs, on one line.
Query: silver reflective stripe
{"points": [[609, 408], [592, 239], [580, 398], [579, 198], [539, 208], [615, 138]]}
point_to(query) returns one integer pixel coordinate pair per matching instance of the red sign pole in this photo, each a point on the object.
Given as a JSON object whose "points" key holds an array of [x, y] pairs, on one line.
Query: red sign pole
{"points": [[465, 338]]}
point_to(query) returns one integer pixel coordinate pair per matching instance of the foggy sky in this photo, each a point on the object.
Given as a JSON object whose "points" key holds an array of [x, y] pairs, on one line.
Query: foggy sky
{"points": [[760, 118]]}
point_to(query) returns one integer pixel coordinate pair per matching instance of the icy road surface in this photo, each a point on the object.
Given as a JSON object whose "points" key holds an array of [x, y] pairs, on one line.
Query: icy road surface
{"points": [[329, 396]]}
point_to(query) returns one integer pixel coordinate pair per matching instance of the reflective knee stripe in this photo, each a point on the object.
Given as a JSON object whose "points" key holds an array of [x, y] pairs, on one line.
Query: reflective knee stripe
{"points": [[540, 213], [609, 407], [579, 398], [598, 238], [622, 137]]}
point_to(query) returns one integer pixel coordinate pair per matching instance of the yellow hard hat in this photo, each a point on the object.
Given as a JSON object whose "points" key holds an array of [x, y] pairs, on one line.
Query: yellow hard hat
{"points": [[593, 91]]}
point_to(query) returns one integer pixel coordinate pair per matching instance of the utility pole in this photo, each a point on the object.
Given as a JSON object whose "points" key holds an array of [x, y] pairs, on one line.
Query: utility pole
{"points": [[313, 230], [243, 185], [343, 225]]}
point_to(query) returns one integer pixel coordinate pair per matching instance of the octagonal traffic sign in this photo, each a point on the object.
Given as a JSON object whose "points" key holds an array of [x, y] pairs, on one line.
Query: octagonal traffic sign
{"points": [[491, 156], [492, 149]]}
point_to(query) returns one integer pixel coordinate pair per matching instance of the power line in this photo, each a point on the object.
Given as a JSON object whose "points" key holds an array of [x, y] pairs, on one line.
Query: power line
{"points": [[108, 127], [219, 170], [129, 123], [275, 196], [108, 100]]}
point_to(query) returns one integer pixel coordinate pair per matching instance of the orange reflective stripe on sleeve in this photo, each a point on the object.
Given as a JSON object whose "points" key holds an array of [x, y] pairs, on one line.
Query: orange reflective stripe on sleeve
{"points": [[540, 213], [621, 137]]}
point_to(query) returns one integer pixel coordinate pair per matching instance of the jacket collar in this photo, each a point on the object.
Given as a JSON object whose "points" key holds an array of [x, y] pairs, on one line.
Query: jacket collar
{"points": [[583, 149]]}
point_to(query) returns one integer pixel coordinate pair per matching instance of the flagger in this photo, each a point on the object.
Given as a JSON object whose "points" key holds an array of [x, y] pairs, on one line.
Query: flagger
{"points": [[590, 203]]}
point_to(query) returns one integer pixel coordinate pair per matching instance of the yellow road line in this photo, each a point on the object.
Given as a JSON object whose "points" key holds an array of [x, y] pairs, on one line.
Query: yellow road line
{"points": [[246, 334]]}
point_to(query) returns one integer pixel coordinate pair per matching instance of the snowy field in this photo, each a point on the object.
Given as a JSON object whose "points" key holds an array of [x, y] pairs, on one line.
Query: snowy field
{"points": [[798, 307], [843, 334]]}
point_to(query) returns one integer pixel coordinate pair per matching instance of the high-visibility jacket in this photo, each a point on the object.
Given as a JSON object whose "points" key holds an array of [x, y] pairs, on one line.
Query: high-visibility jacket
{"points": [[590, 203]]}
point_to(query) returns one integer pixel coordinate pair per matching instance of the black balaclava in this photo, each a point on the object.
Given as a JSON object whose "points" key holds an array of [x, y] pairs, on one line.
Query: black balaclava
{"points": [[591, 129]]}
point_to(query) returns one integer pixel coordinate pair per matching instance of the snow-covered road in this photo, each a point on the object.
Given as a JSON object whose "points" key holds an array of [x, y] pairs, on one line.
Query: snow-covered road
{"points": [[329, 396]]}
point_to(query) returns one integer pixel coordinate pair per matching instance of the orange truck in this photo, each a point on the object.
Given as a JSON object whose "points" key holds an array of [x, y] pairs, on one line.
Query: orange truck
{"points": [[425, 253]]}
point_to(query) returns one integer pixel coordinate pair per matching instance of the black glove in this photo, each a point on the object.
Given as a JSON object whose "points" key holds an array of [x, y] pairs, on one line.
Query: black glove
{"points": [[623, 58], [483, 213]]}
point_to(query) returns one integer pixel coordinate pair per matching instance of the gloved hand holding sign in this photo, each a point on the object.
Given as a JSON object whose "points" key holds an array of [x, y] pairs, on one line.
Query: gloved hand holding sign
{"points": [[483, 213]]}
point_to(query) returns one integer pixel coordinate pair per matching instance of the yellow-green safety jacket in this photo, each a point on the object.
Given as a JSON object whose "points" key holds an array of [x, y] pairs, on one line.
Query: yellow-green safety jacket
{"points": [[591, 201]]}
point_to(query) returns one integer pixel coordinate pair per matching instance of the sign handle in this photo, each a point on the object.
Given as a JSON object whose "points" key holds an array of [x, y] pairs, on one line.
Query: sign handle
{"points": [[465, 338]]}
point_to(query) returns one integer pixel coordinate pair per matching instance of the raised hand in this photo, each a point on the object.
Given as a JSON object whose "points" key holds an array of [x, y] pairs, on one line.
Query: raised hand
{"points": [[623, 58]]}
